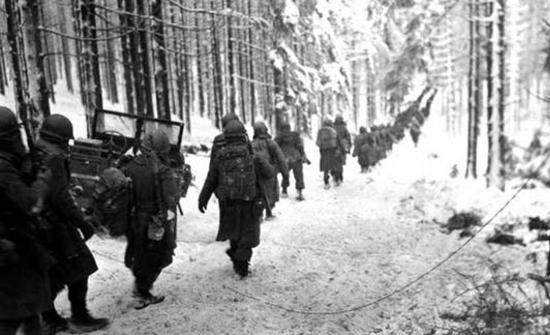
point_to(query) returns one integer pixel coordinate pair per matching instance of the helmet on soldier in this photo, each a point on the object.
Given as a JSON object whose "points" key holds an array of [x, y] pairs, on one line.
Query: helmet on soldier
{"points": [[228, 118], [8, 122], [57, 128], [285, 126], [156, 141], [259, 128]]}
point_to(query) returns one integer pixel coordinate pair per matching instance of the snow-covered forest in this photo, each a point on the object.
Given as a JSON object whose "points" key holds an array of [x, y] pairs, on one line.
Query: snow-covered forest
{"points": [[381, 253]]}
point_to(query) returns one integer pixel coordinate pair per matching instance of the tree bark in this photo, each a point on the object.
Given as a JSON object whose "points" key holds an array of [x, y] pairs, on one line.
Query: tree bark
{"points": [[94, 96], [12, 15], [161, 73], [38, 105]]}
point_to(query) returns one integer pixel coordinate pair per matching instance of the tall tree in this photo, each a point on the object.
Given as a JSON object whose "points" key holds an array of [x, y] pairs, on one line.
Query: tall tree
{"points": [[92, 84], [161, 73], [12, 18], [38, 104]]}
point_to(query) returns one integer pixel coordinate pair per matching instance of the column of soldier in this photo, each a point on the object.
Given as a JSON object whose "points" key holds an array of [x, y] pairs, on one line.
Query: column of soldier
{"points": [[43, 233]]}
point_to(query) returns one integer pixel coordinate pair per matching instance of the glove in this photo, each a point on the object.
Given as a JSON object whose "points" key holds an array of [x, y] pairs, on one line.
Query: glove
{"points": [[87, 230], [202, 206]]}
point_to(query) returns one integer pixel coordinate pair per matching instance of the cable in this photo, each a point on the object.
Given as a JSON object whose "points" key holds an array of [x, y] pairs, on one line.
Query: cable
{"points": [[406, 285]]}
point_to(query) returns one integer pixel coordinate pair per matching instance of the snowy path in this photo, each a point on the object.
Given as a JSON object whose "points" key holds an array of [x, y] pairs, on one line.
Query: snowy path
{"points": [[340, 248]]}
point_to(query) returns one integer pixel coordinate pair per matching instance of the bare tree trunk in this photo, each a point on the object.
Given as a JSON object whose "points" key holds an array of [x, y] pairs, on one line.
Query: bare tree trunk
{"points": [[498, 127], [127, 64], [473, 91], [3, 69], [94, 97], [65, 49], [489, 53], [161, 73], [12, 13], [199, 64], [144, 55], [38, 90], [135, 59], [218, 78]]}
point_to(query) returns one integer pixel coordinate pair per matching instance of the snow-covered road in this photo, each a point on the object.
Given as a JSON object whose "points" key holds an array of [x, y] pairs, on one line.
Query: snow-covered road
{"points": [[341, 248]]}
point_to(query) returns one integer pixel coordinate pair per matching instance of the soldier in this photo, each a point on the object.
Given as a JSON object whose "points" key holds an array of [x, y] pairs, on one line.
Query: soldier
{"points": [[24, 263], [360, 151], [219, 140], [152, 232], [328, 145], [292, 146], [263, 146], [234, 174], [343, 148], [69, 230]]}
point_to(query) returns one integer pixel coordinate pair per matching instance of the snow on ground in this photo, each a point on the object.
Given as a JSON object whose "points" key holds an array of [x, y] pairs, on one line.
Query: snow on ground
{"points": [[341, 248]]}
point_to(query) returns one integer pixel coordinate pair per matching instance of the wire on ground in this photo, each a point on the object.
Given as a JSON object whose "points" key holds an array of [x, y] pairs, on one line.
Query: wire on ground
{"points": [[407, 285]]}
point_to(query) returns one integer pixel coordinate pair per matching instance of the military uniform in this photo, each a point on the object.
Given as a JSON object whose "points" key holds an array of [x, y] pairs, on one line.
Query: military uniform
{"points": [[264, 146], [292, 146], [328, 147], [360, 150], [239, 219], [152, 232], [344, 145], [75, 262], [24, 262]]}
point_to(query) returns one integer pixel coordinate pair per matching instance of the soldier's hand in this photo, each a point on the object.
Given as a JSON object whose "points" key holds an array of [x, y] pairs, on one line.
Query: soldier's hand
{"points": [[202, 206], [87, 230]]}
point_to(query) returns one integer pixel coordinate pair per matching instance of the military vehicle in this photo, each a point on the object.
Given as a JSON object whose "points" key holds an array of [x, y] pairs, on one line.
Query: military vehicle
{"points": [[115, 139]]}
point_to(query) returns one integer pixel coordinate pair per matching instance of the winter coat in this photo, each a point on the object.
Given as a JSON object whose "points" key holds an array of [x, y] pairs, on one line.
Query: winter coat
{"points": [[292, 146], [358, 150], [74, 260], [24, 284], [143, 253], [239, 219], [344, 141], [328, 155], [268, 149]]}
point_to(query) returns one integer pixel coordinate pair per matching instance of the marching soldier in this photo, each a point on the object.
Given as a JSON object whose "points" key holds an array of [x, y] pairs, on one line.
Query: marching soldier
{"points": [[235, 175], [292, 146], [265, 147], [69, 230], [24, 262], [152, 232]]}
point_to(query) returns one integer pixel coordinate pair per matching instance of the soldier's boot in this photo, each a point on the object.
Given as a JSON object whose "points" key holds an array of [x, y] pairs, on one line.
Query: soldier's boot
{"points": [[53, 323], [241, 268], [84, 322], [284, 193], [300, 196]]}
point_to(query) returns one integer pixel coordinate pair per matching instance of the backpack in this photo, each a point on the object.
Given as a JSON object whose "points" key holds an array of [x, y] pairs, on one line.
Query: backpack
{"points": [[327, 138], [237, 177], [261, 149]]}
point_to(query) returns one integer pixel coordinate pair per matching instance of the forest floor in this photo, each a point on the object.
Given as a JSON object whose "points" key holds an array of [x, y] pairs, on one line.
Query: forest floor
{"points": [[340, 248]]}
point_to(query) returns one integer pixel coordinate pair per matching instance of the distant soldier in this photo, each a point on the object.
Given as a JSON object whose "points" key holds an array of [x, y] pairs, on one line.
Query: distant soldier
{"points": [[152, 232], [292, 146], [263, 146], [327, 141], [360, 150], [343, 148], [235, 174], [75, 262], [24, 263]]}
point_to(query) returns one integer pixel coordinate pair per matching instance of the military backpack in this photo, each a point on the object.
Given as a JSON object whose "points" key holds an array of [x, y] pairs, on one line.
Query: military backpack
{"points": [[237, 177]]}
